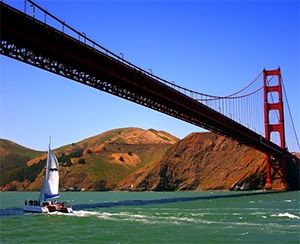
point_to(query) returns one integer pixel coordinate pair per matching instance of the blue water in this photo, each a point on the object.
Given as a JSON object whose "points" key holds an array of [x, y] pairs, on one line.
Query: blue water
{"points": [[152, 217]]}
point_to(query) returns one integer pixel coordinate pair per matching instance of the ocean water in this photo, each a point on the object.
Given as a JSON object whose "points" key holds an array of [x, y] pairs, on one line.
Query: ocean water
{"points": [[156, 217]]}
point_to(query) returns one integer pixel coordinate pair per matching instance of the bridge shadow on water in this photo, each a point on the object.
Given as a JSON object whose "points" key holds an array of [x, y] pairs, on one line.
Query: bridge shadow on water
{"points": [[76, 207]]}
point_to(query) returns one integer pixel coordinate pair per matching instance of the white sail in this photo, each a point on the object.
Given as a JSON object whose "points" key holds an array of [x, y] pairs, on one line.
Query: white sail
{"points": [[51, 182], [52, 177]]}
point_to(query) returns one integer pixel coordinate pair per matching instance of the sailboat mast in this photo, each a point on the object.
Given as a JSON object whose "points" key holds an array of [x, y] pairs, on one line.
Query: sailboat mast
{"points": [[49, 142], [42, 193]]}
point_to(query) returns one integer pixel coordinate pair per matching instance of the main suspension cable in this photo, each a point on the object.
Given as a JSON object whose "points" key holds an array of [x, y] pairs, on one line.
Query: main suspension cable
{"points": [[290, 113]]}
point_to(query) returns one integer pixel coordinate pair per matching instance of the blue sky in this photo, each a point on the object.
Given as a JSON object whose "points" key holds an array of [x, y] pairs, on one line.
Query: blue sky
{"points": [[214, 47]]}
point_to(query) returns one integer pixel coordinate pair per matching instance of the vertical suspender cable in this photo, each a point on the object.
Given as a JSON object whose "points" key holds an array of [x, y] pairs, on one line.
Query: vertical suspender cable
{"points": [[288, 105]]}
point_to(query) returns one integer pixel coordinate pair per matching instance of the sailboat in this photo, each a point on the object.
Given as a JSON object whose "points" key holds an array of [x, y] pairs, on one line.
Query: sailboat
{"points": [[49, 192]]}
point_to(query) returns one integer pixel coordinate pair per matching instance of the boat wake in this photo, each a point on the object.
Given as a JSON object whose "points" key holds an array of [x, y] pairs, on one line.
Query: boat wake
{"points": [[136, 217], [171, 218]]}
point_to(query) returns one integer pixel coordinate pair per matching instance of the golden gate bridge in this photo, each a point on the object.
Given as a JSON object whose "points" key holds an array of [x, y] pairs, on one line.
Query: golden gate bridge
{"points": [[253, 115]]}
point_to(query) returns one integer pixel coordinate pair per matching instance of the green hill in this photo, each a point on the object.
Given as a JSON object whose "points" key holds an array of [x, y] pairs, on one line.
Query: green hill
{"points": [[13, 162], [96, 163]]}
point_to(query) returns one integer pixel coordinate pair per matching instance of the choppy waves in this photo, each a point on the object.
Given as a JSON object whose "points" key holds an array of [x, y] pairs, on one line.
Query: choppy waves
{"points": [[197, 218]]}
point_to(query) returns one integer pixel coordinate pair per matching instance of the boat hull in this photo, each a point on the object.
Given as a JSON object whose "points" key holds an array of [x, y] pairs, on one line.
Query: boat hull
{"points": [[59, 208], [47, 209], [35, 209]]}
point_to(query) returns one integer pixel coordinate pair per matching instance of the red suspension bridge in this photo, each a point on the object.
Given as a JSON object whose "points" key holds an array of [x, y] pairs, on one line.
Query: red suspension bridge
{"points": [[253, 116]]}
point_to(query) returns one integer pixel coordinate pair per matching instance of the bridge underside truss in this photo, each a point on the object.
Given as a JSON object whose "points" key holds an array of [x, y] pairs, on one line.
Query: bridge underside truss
{"points": [[87, 78]]}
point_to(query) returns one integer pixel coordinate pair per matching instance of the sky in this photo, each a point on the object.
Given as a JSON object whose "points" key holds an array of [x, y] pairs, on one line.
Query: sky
{"points": [[214, 47]]}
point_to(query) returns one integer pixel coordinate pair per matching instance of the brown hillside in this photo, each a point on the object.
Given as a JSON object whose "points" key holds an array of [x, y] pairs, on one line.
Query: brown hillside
{"points": [[96, 144], [98, 162], [201, 161], [132, 135]]}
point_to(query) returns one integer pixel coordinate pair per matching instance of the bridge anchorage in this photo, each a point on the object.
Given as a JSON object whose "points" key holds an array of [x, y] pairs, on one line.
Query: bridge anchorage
{"points": [[275, 166]]}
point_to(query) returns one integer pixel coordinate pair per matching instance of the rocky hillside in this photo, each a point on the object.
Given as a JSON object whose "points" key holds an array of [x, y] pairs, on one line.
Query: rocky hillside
{"points": [[206, 161], [96, 163], [201, 161]]}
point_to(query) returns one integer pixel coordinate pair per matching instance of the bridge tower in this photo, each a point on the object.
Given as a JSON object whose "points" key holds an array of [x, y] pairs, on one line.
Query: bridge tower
{"points": [[275, 167]]}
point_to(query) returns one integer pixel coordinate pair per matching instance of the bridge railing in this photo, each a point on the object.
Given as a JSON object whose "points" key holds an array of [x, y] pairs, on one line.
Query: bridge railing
{"points": [[31, 9]]}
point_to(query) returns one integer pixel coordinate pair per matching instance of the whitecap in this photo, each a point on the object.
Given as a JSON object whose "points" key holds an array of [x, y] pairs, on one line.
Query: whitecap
{"points": [[181, 219], [291, 216], [288, 200], [258, 213]]}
